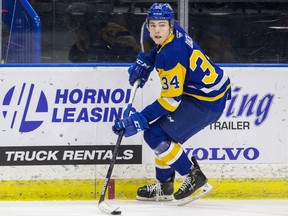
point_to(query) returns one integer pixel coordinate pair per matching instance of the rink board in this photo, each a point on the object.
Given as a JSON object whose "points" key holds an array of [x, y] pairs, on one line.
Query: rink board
{"points": [[56, 129], [125, 189]]}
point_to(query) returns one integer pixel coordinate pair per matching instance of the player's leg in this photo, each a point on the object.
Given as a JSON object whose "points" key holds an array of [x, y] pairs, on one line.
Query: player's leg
{"points": [[163, 189], [187, 120], [169, 156]]}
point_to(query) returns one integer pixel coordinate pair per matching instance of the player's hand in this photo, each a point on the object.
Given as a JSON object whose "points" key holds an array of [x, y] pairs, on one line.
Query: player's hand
{"points": [[141, 69], [130, 125]]}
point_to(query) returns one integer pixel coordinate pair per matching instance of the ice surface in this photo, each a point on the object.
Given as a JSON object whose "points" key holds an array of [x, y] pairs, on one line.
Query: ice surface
{"points": [[202, 207]]}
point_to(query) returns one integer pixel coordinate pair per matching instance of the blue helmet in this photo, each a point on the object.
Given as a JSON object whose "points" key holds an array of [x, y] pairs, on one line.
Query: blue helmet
{"points": [[160, 11]]}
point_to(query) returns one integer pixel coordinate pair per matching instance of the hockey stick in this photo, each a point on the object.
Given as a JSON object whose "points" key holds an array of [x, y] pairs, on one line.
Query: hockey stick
{"points": [[104, 207]]}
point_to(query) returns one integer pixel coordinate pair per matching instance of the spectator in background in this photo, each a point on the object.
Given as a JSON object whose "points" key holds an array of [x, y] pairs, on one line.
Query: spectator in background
{"points": [[97, 39]]}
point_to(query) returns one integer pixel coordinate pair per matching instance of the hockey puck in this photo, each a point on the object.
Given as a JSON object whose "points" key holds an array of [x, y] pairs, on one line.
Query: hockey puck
{"points": [[116, 213]]}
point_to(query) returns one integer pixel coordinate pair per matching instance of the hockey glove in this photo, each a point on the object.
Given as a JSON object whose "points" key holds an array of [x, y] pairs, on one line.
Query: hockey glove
{"points": [[131, 125], [141, 69]]}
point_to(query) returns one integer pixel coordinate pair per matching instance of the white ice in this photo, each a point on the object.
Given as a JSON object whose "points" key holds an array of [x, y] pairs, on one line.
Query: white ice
{"points": [[136, 208]]}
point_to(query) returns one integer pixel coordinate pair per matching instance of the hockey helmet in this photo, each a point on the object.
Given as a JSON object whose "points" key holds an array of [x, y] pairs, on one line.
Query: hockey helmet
{"points": [[160, 11], [78, 13], [82, 14]]}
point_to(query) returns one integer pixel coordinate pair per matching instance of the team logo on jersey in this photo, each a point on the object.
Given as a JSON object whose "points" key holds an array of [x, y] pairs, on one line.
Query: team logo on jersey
{"points": [[188, 40], [179, 34], [169, 118]]}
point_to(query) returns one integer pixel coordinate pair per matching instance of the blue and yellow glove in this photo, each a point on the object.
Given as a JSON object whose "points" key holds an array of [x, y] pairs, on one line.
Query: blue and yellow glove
{"points": [[141, 69], [130, 125]]}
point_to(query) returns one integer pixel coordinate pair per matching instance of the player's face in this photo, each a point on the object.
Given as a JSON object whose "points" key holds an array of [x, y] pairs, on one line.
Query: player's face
{"points": [[159, 30]]}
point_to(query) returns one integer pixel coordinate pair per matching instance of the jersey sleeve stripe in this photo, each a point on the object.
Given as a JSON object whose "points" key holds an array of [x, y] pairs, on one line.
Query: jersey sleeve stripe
{"points": [[209, 99], [213, 88], [169, 103]]}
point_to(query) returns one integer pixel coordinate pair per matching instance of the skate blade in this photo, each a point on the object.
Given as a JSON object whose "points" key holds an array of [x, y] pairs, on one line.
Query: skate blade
{"points": [[154, 199], [203, 191]]}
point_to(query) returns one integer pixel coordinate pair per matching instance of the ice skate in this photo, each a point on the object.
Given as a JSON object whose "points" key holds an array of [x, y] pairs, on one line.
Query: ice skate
{"points": [[159, 191], [194, 186]]}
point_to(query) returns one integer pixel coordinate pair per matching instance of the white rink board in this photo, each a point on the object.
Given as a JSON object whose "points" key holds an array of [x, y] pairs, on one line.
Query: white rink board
{"points": [[258, 134]]}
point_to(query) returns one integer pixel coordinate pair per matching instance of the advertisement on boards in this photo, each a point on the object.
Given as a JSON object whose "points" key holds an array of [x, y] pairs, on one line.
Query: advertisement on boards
{"points": [[64, 115], [252, 128], [55, 116]]}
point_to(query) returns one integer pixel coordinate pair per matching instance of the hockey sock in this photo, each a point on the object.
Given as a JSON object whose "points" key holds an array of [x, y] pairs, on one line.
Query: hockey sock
{"points": [[175, 157]]}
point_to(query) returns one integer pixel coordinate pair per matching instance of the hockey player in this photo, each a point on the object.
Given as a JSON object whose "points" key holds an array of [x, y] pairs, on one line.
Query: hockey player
{"points": [[193, 95]]}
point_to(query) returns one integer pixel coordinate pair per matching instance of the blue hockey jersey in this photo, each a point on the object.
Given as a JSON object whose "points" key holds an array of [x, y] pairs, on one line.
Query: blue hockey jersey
{"points": [[184, 69]]}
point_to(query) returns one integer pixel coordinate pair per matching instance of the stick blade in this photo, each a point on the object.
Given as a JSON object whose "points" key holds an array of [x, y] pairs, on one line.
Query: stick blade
{"points": [[104, 207]]}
